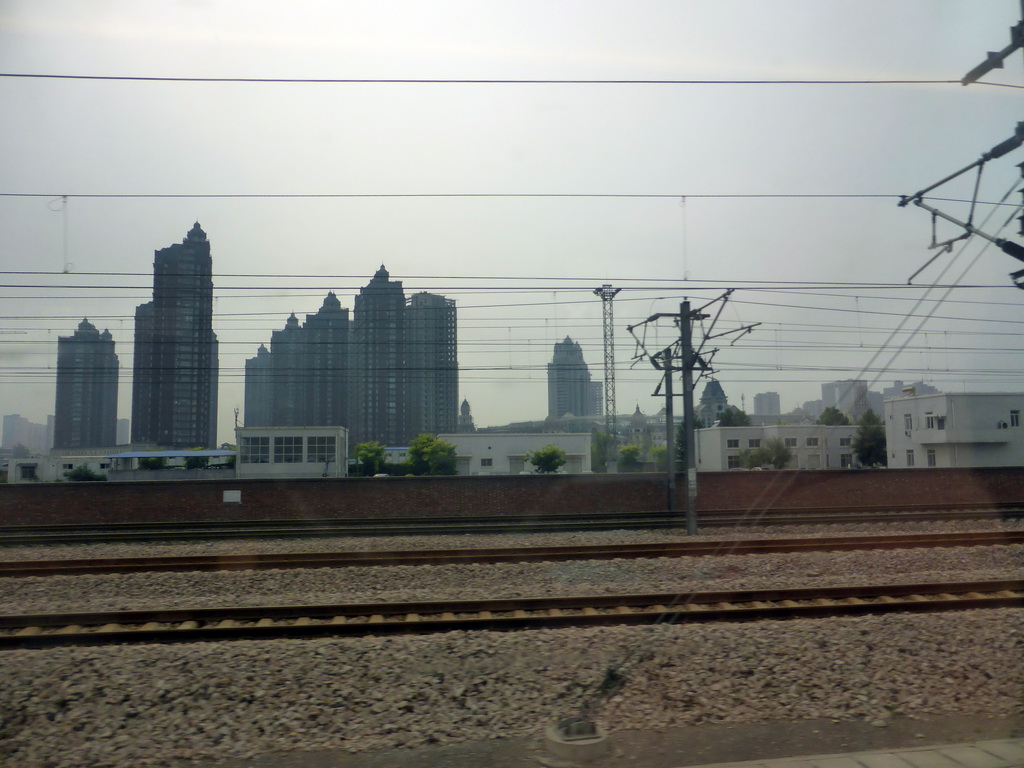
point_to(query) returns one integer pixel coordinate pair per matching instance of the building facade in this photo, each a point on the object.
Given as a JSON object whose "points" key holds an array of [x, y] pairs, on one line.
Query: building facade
{"points": [[388, 375], [968, 429], [505, 454], [174, 381], [278, 452], [432, 363], [813, 446], [767, 404], [86, 403], [849, 396], [570, 389], [711, 404]]}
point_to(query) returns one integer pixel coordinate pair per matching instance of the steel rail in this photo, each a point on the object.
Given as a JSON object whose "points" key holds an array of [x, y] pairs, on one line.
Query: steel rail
{"points": [[262, 622], [188, 530], [689, 548]]}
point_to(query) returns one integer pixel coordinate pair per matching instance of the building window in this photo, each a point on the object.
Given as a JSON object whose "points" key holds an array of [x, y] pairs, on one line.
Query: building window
{"points": [[931, 457], [104, 465], [1014, 418], [68, 466], [732, 462], [254, 450], [754, 442], [908, 422], [321, 449], [929, 421], [910, 457], [288, 450], [790, 442], [845, 442], [732, 443], [812, 442], [28, 471], [940, 422], [486, 462], [845, 460]]}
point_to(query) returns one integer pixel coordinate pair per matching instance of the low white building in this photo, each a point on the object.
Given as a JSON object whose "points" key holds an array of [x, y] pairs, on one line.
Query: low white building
{"points": [[51, 469], [275, 452], [969, 429], [505, 453], [814, 446]]}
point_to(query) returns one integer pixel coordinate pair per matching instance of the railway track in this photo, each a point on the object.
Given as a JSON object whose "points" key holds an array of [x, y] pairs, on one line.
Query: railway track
{"points": [[690, 548], [218, 624], [19, 535]]}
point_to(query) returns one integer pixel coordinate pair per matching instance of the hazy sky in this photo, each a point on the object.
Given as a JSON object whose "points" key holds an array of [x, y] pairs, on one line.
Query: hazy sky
{"points": [[703, 185]]}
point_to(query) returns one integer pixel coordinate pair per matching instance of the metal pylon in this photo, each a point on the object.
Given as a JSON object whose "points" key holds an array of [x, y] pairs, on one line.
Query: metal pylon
{"points": [[607, 293]]}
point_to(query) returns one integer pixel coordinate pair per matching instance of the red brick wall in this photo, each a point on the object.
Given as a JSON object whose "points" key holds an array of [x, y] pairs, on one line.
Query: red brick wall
{"points": [[513, 495]]}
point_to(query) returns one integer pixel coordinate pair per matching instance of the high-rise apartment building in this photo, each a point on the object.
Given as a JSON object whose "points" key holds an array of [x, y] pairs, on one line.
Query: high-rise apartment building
{"points": [[570, 389], [767, 404], [303, 379], [86, 404], [388, 375], [849, 396], [174, 383], [432, 363]]}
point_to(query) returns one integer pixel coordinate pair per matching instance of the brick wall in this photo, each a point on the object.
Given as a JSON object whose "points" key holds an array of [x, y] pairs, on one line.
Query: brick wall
{"points": [[512, 495]]}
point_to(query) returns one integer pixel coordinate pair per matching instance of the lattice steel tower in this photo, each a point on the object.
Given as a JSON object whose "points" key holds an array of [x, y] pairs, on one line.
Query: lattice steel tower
{"points": [[607, 293]]}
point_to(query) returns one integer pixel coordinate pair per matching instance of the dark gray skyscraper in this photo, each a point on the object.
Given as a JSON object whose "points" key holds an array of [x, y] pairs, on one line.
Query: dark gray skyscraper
{"points": [[86, 405], [174, 384], [432, 363], [381, 374], [389, 375], [570, 389], [304, 379]]}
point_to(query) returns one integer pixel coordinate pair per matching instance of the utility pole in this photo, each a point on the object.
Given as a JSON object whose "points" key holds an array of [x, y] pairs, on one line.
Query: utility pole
{"points": [[606, 294], [681, 356]]}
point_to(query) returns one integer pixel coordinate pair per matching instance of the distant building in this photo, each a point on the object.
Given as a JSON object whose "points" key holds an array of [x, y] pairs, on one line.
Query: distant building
{"points": [[767, 404], [388, 375], [570, 389], [124, 435], [849, 396], [432, 363], [17, 430], [505, 454], [712, 402], [813, 446], [174, 382], [465, 418], [279, 452], [899, 389], [86, 404], [968, 429]]}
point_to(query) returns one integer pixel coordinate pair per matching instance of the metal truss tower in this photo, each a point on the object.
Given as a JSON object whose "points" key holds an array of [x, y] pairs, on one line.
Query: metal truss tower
{"points": [[607, 293]]}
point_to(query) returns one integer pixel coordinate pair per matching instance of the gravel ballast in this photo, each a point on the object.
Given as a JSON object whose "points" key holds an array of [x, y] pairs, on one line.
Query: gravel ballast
{"points": [[162, 705], [309, 586]]}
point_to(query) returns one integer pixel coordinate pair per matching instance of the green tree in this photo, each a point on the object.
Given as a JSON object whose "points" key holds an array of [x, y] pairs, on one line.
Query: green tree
{"points": [[629, 458], [869, 443], [430, 456], [681, 442], [598, 452], [659, 455], [547, 459], [197, 462], [774, 453], [369, 457], [152, 462], [733, 417], [82, 473], [833, 417]]}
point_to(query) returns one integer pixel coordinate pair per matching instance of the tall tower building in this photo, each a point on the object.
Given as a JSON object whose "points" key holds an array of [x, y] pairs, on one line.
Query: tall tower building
{"points": [[432, 363], [570, 389], [259, 389], [86, 405], [174, 383], [381, 375], [712, 402], [767, 404], [328, 346]]}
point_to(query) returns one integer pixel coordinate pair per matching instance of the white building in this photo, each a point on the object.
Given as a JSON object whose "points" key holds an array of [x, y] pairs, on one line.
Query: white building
{"points": [[505, 454], [276, 452], [971, 429], [51, 469], [814, 446]]}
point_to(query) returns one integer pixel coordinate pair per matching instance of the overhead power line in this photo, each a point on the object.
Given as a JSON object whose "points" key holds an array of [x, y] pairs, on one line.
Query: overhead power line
{"points": [[479, 81]]}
